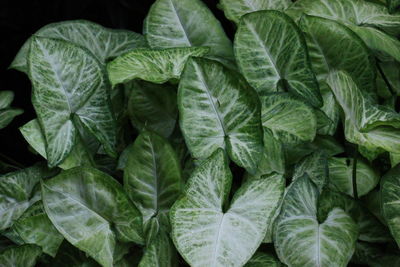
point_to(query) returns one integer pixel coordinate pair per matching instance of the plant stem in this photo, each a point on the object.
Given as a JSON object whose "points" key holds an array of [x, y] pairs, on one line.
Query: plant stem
{"points": [[14, 163], [354, 174], [385, 79]]}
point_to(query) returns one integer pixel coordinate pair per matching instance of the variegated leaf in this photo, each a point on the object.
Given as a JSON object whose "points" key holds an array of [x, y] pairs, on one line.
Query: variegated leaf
{"points": [[87, 206], [153, 65], [291, 121], [272, 55], [217, 108], [7, 115], [261, 259], [20, 256], [202, 230], [183, 23], [6, 98], [69, 84], [102, 42], [331, 110], [235, 9]]}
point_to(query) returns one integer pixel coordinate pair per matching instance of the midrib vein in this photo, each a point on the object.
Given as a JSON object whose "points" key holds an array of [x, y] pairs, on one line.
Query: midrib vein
{"points": [[180, 23]]}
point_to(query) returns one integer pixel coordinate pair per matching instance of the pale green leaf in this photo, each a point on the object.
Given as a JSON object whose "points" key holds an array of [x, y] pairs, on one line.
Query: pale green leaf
{"points": [[217, 108], [272, 55], [333, 46], [315, 166], [202, 230], [153, 65], [291, 121], [183, 23], [7, 115], [87, 206], [341, 175], [152, 177], [20, 256], [390, 197], [103, 43], [300, 240], [17, 192], [6, 98], [235, 9], [261, 259], [69, 84]]}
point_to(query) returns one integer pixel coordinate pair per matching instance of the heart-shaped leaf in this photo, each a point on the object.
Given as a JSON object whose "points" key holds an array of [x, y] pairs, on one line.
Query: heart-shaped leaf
{"points": [[87, 206], [202, 230], [69, 84], [217, 108], [153, 65], [272, 55]]}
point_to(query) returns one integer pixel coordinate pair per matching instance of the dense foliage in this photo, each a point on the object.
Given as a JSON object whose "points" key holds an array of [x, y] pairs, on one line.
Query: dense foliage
{"points": [[182, 147]]}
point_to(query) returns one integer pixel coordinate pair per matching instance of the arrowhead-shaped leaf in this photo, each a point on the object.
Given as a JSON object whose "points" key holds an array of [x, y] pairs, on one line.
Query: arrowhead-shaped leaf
{"points": [[102, 42], [87, 206], [183, 23], [219, 109], [153, 65], [20, 256], [69, 84], [272, 55], [300, 240], [203, 232]]}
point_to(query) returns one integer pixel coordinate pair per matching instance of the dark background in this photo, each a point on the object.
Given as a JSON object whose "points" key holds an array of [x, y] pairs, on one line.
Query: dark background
{"points": [[20, 19]]}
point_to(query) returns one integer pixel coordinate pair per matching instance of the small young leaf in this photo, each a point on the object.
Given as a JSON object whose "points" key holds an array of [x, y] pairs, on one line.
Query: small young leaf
{"points": [[6, 98], [7, 115]]}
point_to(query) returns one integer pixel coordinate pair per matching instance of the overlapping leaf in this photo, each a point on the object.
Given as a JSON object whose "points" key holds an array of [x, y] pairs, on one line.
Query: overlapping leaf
{"points": [[272, 55], [153, 65], [217, 108], [91, 211], [20, 256], [7, 114], [261, 259], [102, 42], [69, 84], [202, 230]]}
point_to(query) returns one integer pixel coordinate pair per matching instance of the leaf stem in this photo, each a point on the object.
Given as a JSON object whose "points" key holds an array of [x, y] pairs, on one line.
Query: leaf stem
{"points": [[354, 174], [385, 79]]}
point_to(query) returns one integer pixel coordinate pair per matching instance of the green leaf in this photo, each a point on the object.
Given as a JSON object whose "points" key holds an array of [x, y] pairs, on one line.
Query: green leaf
{"points": [[34, 227], [353, 12], [69, 84], [316, 168], [300, 240], [17, 192], [7, 115], [153, 65], [364, 123], [393, 5], [78, 156], [341, 175], [272, 55], [331, 110], [152, 177], [291, 121], [390, 197], [21, 256], [87, 206], [202, 230], [217, 108], [333, 46], [153, 107], [160, 253], [261, 259], [235, 9], [6, 98], [183, 23], [102, 42]]}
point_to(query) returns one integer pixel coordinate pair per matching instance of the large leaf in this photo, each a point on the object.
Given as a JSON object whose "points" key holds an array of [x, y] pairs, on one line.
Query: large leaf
{"points": [[202, 230], [7, 115], [21, 256], [361, 114], [390, 197], [341, 175], [34, 227], [235, 9], [183, 23], [102, 42], [153, 107], [300, 240], [86, 205], [218, 108], [79, 155], [354, 12], [261, 259], [153, 65], [272, 55], [17, 192], [69, 84], [333, 46], [152, 176], [291, 121], [6, 98]]}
